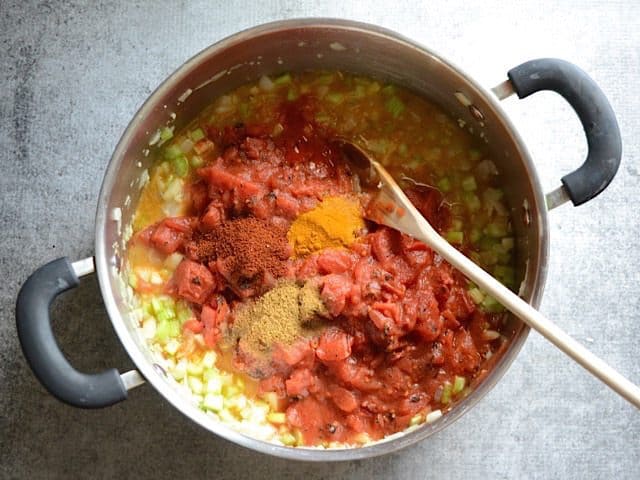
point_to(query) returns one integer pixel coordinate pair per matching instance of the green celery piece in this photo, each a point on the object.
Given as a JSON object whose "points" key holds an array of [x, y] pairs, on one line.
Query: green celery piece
{"points": [[395, 106], [181, 166], [172, 152], [455, 237], [469, 184], [335, 98], [196, 134], [458, 384], [283, 79]]}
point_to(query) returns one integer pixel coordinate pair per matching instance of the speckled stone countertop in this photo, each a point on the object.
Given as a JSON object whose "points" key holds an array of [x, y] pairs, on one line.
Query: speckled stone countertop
{"points": [[73, 74]]}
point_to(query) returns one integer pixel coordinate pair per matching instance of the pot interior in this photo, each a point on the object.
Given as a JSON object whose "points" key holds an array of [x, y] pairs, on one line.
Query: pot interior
{"points": [[315, 45]]}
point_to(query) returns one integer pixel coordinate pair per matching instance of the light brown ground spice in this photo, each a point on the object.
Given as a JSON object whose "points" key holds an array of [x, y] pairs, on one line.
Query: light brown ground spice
{"points": [[280, 316]]}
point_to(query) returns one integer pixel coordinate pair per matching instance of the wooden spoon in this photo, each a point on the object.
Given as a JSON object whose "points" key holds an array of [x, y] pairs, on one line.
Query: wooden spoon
{"points": [[392, 208]]}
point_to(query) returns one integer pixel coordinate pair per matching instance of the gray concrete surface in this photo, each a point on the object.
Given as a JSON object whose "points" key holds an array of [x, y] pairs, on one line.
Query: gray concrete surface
{"points": [[73, 73]]}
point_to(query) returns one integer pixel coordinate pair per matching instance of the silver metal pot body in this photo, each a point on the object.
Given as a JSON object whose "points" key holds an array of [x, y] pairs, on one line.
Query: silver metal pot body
{"points": [[313, 44]]}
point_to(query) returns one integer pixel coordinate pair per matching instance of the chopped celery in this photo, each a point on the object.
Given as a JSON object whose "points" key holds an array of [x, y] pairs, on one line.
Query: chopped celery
{"points": [[133, 280], [389, 90], [209, 359], [493, 194], [395, 106], [288, 439], [457, 224], [278, 418], [213, 402], [508, 243], [184, 313], [195, 369], [292, 94], [180, 370], [166, 134], [476, 295], [180, 166], [474, 154], [172, 347], [359, 92], [172, 151], [496, 230], [416, 419], [196, 134], [488, 258], [325, 79], [240, 384], [323, 118], [335, 98], [165, 315], [445, 398], [214, 385], [196, 385], [469, 183], [475, 235], [163, 331], [272, 399], [374, 87], [491, 305], [243, 110], [458, 384], [230, 391], [506, 275], [444, 184], [283, 79], [403, 150], [197, 161], [472, 201], [455, 237]]}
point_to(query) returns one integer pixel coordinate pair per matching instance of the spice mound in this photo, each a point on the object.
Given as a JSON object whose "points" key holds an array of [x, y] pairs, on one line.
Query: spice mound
{"points": [[281, 316], [334, 223], [249, 253]]}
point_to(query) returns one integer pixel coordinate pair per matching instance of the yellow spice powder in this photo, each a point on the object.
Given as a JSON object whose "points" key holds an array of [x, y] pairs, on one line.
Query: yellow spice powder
{"points": [[333, 223]]}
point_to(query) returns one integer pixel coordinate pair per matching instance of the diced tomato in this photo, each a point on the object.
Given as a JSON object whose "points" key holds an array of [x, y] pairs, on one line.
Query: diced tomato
{"points": [[431, 205], [287, 205], [166, 239], [181, 224], [222, 181], [300, 354], [344, 399], [199, 196], [194, 281], [301, 383], [335, 289], [382, 245], [212, 320], [334, 261], [212, 217], [193, 325], [334, 345]]}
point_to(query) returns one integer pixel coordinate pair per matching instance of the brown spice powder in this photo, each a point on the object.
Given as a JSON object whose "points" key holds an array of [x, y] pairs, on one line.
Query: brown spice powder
{"points": [[251, 253], [280, 316]]}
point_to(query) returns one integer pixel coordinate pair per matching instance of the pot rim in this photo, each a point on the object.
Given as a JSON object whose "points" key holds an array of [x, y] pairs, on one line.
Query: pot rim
{"points": [[105, 264]]}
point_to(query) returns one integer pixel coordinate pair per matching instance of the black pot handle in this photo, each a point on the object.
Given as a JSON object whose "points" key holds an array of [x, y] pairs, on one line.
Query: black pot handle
{"points": [[41, 349], [595, 114]]}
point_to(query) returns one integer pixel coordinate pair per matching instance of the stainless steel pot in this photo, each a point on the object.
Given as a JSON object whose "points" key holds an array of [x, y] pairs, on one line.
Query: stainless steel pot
{"points": [[296, 45]]}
